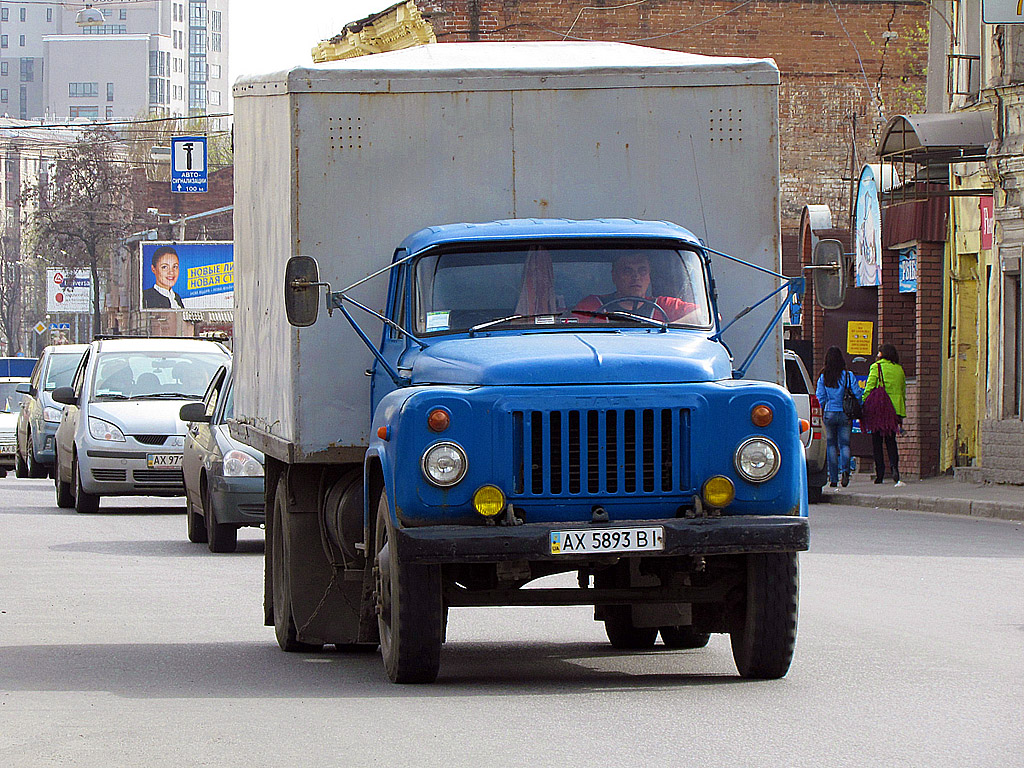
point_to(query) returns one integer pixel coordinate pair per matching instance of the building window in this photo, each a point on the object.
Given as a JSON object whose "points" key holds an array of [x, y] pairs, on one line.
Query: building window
{"points": [[4, 70], [110, 113], [215, 71], [23, 102], [83, 90], [106, 29], [214, 97], [4, 14], [197, 14], [84, 111], [5, 95], [215, 21], [197, 96], [158, 90], [215, 43], [197, 70], [21, 40], [28, 70], [123, 14], [3, 41], [22, 14], [49, 14], [197, 41]]}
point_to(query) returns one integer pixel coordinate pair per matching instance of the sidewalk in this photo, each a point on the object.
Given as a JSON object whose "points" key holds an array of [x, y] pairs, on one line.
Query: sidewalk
{"points": [[935, 494]]}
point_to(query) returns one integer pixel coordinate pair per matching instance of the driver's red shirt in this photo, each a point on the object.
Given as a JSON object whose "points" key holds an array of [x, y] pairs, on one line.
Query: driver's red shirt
{"points": [[673, 307]]}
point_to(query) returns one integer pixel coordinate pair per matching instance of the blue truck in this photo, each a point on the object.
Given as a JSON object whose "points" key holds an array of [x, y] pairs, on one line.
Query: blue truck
{"points": [[519, 395]]}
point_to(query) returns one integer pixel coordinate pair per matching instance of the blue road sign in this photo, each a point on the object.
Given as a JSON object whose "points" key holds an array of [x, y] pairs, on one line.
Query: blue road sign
{"points": [[60, 326], [188, 164]]}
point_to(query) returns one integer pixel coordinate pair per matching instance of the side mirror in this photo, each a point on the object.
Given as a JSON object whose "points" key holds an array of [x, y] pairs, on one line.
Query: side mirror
{"points": [[64, 395], [829, 274], [25, 389], [302, 290], [195, 412]]}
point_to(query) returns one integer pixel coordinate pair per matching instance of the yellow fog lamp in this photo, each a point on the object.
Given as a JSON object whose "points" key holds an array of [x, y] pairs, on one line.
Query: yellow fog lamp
{"points": [[489, 501], [718, 492]]}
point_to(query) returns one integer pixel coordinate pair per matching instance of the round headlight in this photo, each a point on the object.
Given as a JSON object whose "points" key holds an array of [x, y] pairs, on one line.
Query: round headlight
{"points": [[444, 464], [489, 501], [757, 459]]}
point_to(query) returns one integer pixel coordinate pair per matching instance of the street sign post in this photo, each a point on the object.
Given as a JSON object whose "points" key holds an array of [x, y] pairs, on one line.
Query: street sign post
{"points": [[188, 164]]}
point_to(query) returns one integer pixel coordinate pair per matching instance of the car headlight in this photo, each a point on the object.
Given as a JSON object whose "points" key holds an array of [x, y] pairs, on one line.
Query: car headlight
{"points": [[241, 464], [444, 464], [104, 430], [757, 459], [52, 414]]}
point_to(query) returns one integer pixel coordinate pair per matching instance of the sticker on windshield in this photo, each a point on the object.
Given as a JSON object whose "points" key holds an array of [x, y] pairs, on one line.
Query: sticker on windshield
{"points": [[545, 320], [437, 321]]}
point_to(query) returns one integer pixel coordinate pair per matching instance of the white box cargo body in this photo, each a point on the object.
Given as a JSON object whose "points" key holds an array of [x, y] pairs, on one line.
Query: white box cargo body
{"points": [[342, 162]]}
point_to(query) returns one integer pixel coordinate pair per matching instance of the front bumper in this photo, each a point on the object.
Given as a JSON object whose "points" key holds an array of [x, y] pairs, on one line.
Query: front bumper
{"points": [[738, 534], [44, 442], [125, 472], [238, 500]]}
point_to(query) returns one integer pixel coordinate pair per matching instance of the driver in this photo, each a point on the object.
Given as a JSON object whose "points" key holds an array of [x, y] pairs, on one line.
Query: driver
{"points": [[631, 274]]}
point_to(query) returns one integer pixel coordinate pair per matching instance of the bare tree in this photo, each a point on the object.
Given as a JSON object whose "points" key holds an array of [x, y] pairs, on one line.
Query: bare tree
{"points": [[84, 212], [10, 294]]}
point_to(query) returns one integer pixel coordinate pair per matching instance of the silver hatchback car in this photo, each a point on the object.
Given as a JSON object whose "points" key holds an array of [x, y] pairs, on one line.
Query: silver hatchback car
{"points": [[120, 434]]}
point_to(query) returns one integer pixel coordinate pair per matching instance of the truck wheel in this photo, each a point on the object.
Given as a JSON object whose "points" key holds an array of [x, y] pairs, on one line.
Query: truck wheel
{"points": [[85, 503], [763, 642], [618, 619], [223, 537], [814, 494], [409, 608], [20, 467], [683, 637], [64, 498], [284, 622]]}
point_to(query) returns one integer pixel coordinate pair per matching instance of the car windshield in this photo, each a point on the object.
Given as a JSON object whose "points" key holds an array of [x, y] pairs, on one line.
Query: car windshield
{"points": [[154, 375], [61, 369], [10, 400], [541, 286]]}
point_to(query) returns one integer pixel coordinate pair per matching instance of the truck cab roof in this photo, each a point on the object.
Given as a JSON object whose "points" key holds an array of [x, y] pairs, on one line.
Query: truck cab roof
{"points": [[520, 230]]}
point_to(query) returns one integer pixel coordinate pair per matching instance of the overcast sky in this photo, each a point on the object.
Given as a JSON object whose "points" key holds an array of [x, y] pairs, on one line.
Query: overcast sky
{"points": [[270, 35]]}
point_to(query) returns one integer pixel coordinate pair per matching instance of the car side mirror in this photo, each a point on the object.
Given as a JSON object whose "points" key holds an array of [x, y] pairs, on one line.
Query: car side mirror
{"points": [[25, 389], [302, 290], [829, 274], [195, 412], [64, 395]]}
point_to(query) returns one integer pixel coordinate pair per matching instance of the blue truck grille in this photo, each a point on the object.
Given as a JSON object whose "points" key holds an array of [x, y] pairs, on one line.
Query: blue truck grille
{"points": [[606, 452]]}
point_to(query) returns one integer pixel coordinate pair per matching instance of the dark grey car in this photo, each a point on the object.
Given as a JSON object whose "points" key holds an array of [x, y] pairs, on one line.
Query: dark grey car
{"points": [[223, 477]]}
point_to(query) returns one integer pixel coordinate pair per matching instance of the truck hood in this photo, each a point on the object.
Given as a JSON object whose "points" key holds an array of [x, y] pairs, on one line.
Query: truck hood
{"points": [[573, 358], [142, 417]]}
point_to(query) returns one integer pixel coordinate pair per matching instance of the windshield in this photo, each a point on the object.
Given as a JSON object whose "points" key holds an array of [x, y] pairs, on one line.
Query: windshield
{"points": [[542, 286], [10, 400], [154, 375], [61, 369]]}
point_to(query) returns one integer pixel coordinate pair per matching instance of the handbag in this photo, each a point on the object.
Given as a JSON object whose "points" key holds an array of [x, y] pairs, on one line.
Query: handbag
{"points": [[879, 415], [851, 403]]}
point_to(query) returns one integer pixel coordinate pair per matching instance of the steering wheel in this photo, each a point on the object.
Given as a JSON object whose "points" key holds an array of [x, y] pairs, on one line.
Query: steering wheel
{"points": [[642, 300]]}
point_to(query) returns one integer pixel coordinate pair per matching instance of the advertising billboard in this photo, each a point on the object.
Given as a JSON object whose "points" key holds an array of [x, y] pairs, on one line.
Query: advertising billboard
{"points": [[187, 276], [68, 290]]}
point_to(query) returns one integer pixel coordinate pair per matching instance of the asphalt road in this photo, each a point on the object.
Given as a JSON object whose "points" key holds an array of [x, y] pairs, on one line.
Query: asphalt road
{"points": [[121, 644]]}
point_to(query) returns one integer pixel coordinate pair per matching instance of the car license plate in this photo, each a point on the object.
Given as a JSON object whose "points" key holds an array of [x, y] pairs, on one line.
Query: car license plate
{"points": [[163, 460], [603, 540]]}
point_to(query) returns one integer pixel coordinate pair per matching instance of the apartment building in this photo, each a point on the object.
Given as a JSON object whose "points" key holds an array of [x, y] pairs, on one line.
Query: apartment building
{"points": [[148, 58]]}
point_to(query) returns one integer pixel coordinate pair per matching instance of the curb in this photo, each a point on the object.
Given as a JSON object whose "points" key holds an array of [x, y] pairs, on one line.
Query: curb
{"points": [[997, 510]]}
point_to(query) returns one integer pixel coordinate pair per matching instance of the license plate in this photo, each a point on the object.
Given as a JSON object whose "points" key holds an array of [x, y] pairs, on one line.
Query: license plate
{"points": [[163, 460], [603, 540]]}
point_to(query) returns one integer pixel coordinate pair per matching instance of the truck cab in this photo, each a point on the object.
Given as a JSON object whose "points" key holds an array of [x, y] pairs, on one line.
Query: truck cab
{"points": [[553, 396]]}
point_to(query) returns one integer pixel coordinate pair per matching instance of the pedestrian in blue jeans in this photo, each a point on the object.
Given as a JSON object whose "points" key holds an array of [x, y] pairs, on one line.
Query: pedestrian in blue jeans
{"points": [[833, 382]]}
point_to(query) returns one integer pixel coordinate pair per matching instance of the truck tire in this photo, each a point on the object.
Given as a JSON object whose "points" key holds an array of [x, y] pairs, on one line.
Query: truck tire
{"points": [[64, 498], [410, 608], [683, 637], [765, 633], [814, 494], [618, 619], [284, 623], [85, 503]]}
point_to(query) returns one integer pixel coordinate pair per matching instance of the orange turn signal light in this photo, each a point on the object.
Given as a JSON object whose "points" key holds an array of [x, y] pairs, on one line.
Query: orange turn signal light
{"points": [[761, 415], [382, 433], [804, 425], [439, 420]]}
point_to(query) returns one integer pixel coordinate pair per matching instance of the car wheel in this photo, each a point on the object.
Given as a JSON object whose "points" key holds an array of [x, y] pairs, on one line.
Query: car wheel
{"points": [[64, 498], [765, 632], [35, 469], [683, 637], [85, 503], [221, 537], [284, 622], [20, 467], [196, 525], [410, 609]]}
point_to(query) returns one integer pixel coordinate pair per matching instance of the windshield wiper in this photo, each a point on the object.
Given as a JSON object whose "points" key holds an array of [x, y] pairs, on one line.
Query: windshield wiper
{"points": [[168, 395], [512, 319], [616, 314], [111, 396]]}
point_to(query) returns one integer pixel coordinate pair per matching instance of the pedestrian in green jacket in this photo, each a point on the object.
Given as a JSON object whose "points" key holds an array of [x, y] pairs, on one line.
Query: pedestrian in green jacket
{"points": [[894, 381]]}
